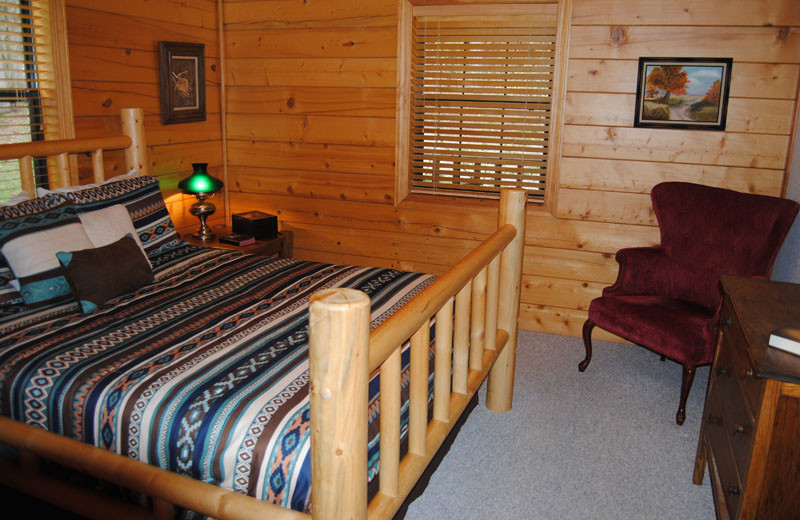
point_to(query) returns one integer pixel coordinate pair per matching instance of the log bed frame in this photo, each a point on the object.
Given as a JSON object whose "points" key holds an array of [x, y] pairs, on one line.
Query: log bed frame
{"points": [[475, 306]]}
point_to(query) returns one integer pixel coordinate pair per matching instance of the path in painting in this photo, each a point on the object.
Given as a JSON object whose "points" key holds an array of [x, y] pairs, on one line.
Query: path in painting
{"points": [[680, 112]]}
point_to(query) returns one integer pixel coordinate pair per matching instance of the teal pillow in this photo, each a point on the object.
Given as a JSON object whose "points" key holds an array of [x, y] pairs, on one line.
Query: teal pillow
{"points": [[29, 244]]}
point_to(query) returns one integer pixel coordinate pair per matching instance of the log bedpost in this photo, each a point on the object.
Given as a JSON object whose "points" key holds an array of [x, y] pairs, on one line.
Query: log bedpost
{"points": [[339, 324], [133, 127], [501, 379]]}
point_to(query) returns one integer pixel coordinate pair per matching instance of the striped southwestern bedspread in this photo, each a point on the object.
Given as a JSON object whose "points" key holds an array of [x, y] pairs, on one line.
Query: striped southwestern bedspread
{"points": [[204, 372]]}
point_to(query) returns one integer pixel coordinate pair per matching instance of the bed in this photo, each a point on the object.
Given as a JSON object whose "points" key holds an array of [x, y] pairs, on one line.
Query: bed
{"points": [[229, 385]]}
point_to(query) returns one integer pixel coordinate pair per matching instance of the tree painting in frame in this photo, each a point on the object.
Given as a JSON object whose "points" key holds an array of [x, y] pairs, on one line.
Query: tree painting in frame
{"points": [[683, 93], [183, 82]]}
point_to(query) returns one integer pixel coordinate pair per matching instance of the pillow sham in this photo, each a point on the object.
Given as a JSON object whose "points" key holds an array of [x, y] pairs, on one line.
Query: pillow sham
{"points": [[9, 285], [106, 226], [142, 197], [41, 192], [29, 244], [100, 274]]}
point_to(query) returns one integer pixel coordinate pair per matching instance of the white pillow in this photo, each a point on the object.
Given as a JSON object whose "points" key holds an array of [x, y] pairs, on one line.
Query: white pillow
{"points": [[41, 192], [34, 253], [22, 196], [106, 226]]}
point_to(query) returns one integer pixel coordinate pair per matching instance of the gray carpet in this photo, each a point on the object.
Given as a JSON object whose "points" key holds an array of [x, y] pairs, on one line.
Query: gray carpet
{"points": [[602, 444]]}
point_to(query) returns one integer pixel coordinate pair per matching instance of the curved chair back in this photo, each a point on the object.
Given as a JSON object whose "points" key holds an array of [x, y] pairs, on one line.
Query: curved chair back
{"points": [[707, 232]]}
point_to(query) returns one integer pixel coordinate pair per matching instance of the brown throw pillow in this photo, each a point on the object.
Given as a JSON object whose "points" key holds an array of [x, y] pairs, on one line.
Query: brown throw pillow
{"points": [[97, 275]]}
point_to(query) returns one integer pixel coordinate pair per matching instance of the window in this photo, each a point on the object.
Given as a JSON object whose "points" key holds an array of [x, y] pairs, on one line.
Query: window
{"points": [[478, 99], [33, 81]]}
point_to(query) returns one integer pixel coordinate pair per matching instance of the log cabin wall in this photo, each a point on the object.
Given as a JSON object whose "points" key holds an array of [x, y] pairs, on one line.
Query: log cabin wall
{"points": [[113, 48], [311, 136]]}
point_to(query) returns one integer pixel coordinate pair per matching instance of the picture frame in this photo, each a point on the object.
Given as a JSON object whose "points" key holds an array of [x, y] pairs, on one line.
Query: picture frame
{"points": [[686, 93], [182, 82]]}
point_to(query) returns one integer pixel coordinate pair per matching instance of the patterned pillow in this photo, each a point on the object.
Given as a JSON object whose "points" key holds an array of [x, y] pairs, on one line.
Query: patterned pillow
{"points": [[9, 286], [30, 243], [144, 201]]}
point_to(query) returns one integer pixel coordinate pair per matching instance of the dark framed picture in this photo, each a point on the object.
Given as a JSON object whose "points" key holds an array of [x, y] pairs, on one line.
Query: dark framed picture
{"points": [[183, 82], [683, 93]]}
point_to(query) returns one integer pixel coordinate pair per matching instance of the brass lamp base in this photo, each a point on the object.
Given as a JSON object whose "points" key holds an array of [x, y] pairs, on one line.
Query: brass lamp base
{"points": [[202, 209]]}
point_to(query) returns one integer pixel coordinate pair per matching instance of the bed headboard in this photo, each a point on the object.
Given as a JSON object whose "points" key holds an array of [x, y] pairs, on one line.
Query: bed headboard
{"points": [[131, 140]]}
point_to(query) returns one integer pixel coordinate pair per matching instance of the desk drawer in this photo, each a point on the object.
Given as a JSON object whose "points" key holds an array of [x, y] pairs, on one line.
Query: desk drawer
{"points": [[738, 421], [719, 447], [741, 369]]}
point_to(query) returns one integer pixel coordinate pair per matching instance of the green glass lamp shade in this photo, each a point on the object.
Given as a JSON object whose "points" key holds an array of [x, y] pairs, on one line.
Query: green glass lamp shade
{"points": [[200, 182], [203, 186]]}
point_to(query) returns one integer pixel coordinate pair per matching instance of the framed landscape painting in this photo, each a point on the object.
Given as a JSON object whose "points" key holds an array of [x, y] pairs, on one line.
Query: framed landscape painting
{"points": [[683, 93]]}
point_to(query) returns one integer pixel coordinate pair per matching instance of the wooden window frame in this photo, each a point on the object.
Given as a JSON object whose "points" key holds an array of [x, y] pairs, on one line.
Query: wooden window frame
{"points": [[403, 193], [54, 115]]}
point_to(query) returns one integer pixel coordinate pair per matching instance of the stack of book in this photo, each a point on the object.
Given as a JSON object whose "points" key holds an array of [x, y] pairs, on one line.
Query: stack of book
{"points": [[238, 239]]}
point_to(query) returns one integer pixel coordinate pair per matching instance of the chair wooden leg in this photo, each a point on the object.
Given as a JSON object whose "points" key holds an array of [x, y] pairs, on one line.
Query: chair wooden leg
{"points": [[587, 344], [686, 385]]}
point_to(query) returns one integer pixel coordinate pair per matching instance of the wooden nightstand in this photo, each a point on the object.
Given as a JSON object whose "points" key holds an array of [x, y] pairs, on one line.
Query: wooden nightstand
{"points": [[280, 245]]}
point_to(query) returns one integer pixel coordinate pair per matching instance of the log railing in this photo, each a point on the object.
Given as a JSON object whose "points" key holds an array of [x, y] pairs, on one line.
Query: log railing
{"points": [[132, 141], [481, 334]]}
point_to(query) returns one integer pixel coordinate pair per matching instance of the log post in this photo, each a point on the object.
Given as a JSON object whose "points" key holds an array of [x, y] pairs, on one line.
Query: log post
{"points": [[26, 175], [98, 170], [133, 127], [338, 365], [500, 390]]}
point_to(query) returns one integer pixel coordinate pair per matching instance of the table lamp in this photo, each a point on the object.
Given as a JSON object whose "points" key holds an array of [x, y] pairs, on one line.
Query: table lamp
{"points": [[203, 186]]}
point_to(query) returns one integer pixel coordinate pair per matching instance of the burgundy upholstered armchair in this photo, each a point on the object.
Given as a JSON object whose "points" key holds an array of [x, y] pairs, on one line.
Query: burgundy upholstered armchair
{"points": [[667, 298]]}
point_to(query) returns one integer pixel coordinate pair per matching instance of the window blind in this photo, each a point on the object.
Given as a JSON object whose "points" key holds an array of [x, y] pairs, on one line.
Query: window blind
{"points": [[27, 94], [481, 90]]}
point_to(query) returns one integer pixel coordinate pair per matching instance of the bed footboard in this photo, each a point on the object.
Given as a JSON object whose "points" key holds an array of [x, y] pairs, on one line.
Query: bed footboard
{"points": [[476, 308]]}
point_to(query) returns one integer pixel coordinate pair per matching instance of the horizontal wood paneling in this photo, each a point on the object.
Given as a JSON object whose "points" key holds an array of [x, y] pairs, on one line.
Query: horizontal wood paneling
{"points": [[314, 184], [329, 101], [200, 131], [465, 222], [311, 99], [557, 292], [686, 12], [93, 98], [114, 63], [570, 264], [279, 14], [641, 176], [556, 320], [309, 156], [756, 44], [606, 206], [360, 42], [753, 80], [312, 72], [197, 13], [101, 28], [681, 146], [758, 116], [360, 131], [124, 65]]}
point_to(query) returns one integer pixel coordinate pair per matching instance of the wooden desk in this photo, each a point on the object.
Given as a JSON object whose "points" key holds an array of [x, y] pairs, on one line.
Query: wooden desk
{"points": [[752, 413], [281, 245]]}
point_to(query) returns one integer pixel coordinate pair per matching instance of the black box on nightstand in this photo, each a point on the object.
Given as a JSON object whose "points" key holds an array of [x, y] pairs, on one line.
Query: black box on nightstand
{"points": [[260, 225]]}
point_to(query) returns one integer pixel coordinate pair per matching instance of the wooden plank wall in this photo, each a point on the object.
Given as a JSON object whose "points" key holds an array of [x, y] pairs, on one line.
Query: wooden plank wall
{"points": [[311, 128], [113, 49]]}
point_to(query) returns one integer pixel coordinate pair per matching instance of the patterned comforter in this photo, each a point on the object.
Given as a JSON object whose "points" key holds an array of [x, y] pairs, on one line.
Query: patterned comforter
{"points": [[204, 372]]}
